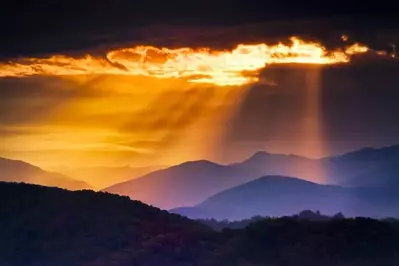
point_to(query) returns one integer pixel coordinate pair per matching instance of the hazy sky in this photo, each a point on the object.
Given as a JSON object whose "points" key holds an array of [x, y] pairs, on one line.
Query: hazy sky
{"points": [[106, 120]]}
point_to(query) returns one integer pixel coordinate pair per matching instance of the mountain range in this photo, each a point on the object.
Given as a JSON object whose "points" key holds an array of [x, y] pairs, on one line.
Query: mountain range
{"points": [[19, 171], [278, 196], [191, 183], [104, 176], [180, 185]]}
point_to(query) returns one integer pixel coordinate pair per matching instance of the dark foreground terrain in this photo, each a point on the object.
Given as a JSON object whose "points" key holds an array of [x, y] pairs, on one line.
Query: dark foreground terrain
{"points": [[42, 226]]}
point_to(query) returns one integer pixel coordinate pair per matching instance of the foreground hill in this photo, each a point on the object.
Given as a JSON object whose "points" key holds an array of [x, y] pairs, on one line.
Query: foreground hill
{"points": [[19, 171], [43, 226], [49, 226], [293, 242], [305, 215], [281, 196]]}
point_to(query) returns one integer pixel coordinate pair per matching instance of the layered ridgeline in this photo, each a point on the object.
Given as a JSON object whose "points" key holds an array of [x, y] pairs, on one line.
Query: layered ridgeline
{"points": [[43, 226], [101, 177], [191, 183], [278, 196], [19, 171], [365, 167], [185, 184]]}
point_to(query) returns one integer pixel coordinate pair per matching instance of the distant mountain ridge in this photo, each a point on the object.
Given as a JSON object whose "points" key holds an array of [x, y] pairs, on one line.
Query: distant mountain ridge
{"points": [[371, 154], [190, 183], [101, 177], [283, 196], [186, 183], [364, 167], [264, 163], [20, 171]]}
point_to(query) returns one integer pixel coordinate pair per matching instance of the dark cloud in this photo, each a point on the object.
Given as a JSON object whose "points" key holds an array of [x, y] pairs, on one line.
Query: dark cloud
{"points": [[358, 104], [40, 27]]}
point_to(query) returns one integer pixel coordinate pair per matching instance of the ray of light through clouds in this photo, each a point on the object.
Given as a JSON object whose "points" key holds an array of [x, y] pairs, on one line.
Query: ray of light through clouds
{"points": [[145, 105]]}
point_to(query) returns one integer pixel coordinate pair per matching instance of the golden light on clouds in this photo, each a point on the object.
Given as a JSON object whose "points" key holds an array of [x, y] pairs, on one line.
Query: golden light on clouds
{"points": [[143, 105], [238, 66]]}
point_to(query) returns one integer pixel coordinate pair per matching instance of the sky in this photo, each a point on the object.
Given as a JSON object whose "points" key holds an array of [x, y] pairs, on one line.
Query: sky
{"points": [[105, 117]]}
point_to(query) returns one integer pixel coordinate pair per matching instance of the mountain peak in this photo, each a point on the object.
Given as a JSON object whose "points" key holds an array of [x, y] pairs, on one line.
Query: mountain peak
{"points": [[259, 155], [199, 163], [280, 178]]}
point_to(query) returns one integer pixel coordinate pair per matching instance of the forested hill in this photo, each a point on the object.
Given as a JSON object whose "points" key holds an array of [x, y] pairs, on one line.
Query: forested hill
{"points": [[42, 226], [289, 242]]}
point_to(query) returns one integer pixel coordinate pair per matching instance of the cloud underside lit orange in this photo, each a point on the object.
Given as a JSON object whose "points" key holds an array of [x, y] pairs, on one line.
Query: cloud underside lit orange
{"points": [[234, 67], [146, 105]]}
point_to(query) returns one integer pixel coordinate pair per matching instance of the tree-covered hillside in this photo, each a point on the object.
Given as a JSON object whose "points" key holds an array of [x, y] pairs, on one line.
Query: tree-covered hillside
{"points": [[43, 226]]}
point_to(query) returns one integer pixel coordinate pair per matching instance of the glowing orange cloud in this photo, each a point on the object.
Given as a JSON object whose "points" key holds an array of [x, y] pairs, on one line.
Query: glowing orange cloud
{"points": [[221, 67]]}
